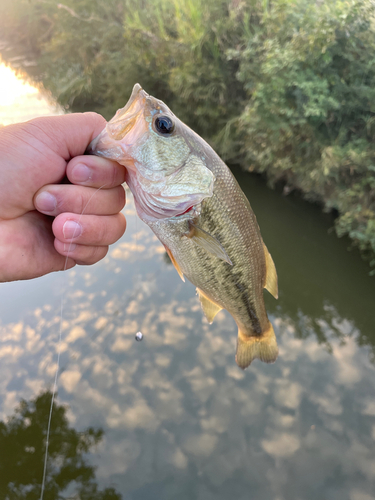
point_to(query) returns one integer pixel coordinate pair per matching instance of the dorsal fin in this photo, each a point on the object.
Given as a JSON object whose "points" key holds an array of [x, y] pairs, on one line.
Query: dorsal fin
{"points": [[271, 275], [210, 309]]}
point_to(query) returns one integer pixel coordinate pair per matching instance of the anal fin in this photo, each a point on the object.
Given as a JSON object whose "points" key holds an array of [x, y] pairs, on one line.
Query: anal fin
{"points": [[210, 309], [263, 347], [173, 260], [271, 274]]}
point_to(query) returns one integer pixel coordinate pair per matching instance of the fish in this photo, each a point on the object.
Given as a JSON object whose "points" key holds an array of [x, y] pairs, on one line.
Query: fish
{"points": [[190, 199]]}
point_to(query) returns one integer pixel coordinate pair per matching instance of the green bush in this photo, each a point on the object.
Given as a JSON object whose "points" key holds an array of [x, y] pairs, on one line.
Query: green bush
{"points": [[309, 73]]}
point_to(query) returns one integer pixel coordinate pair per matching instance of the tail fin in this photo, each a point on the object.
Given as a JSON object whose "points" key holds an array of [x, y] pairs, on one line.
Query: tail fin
{"points": [[263, 347]]}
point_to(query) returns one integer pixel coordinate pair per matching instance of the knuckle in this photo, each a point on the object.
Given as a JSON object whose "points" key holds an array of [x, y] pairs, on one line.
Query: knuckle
{"points": [[94, 116]]}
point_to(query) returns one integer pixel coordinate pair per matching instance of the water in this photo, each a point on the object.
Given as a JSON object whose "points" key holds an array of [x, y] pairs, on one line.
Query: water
{"points": [[20, 101], [179, 419]]}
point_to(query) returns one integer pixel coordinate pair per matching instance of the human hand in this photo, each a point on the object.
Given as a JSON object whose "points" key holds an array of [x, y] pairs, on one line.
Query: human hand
{"points": [[41, 226]]}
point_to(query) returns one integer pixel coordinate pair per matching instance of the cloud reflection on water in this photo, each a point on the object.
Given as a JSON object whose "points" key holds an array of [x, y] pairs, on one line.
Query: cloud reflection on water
{"points": [[180, 418]]}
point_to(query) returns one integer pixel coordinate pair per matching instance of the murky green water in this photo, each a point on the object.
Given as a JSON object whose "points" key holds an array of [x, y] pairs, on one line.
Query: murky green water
{"points": [[180, 420]]}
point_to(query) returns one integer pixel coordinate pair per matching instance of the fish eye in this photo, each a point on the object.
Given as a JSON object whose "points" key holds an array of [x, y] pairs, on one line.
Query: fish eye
{"points": [[164, 125]]}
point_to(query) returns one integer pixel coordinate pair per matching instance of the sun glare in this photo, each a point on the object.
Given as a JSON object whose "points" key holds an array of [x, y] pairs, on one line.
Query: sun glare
{"points": [[20, 101], [12, 87]]}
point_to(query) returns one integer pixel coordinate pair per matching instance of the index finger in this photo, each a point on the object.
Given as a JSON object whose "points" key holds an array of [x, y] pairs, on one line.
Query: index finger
{"points": [[94, 171]]}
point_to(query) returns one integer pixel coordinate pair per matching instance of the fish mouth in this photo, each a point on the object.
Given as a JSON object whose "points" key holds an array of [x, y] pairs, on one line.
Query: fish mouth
{"points": [[126, 118], [126, 124]]}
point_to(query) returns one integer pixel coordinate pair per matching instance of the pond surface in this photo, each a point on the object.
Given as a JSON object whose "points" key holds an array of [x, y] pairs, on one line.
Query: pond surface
{"points": [[20, 101], [179, 418]]}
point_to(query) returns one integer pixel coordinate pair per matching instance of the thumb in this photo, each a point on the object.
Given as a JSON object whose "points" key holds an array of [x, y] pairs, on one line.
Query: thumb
{"points": [[69, 135]]}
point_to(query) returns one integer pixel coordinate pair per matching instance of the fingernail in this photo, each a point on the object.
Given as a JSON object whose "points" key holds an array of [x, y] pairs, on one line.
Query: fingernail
{"points": [[45, 202], [71, 229], [69, 247], [81, 173]]}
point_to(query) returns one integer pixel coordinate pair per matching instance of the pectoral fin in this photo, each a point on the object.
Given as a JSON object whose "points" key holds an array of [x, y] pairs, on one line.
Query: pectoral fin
{"points": [[271, 275], [210, 309], [177, 267], [263, 347], [208, 242]]}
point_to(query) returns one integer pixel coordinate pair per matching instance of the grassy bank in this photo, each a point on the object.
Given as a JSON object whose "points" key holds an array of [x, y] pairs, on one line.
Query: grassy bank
{"points": [[285, 87]]}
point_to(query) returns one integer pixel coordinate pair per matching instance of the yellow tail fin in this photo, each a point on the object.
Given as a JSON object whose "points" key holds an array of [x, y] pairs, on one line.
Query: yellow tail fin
{"points": [[263, 347]]}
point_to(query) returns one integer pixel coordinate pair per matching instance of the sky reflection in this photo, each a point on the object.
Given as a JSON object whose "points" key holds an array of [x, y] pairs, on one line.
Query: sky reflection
{"points": [[179, 417]]}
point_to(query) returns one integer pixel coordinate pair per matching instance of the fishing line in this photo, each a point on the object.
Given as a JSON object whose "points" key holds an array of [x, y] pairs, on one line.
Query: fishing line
{"points": [[136, 233], [139, 334], [55, 383]]}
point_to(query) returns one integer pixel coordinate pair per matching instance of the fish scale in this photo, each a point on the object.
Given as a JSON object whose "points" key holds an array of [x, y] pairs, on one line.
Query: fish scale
{"points": [[194, 205]]}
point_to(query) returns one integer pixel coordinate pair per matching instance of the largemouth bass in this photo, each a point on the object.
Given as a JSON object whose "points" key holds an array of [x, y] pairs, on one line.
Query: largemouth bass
{"points": [[191, 201]]}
